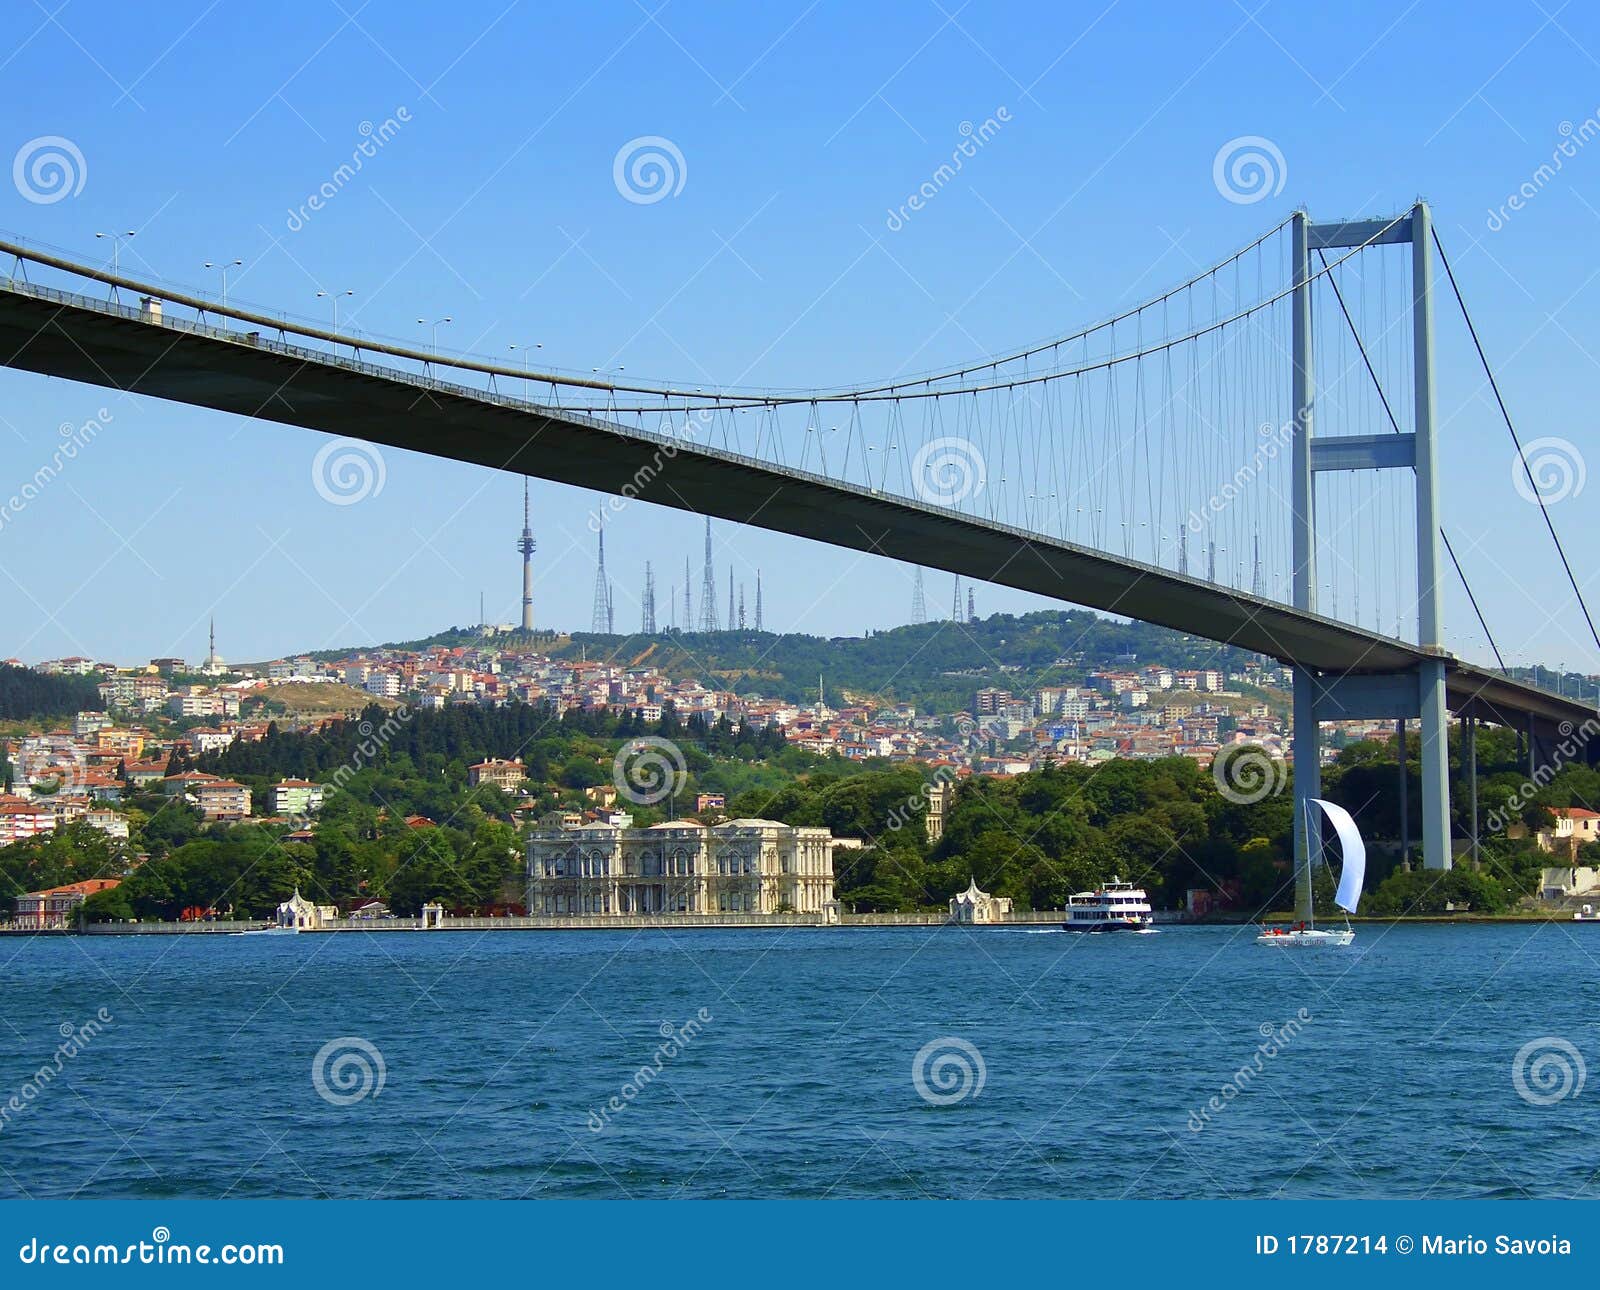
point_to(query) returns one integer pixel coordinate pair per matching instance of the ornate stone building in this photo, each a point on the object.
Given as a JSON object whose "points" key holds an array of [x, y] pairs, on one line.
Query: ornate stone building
{"points": [[681, 867]]}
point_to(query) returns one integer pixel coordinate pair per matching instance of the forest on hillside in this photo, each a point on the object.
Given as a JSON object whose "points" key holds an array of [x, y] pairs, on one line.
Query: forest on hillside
{"points": [[27, 693]]}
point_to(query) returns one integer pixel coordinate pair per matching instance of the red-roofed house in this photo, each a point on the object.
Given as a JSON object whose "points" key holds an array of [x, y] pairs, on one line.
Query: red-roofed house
{"points": [[52, 908]]}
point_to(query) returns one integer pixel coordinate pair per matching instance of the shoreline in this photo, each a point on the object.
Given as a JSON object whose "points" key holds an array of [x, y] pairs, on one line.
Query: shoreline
{"points": [[1043, 920]]}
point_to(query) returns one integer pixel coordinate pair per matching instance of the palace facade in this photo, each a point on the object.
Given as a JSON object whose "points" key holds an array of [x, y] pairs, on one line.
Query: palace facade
{"points": [[681, 867]]}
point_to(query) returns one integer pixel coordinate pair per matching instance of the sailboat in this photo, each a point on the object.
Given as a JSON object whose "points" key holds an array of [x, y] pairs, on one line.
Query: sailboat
{"points": [[1351, 876]]}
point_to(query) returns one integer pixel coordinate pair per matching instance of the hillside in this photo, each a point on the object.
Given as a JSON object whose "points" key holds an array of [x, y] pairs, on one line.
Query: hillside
{"points": [[27, 693], [934, 665]]}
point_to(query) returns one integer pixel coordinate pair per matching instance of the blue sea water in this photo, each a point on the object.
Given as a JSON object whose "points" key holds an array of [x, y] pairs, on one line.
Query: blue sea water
{"points": [[1052, 1065]]}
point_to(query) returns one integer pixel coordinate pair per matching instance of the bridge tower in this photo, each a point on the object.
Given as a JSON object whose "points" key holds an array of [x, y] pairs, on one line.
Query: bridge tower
{"points": [[1327, 696]]}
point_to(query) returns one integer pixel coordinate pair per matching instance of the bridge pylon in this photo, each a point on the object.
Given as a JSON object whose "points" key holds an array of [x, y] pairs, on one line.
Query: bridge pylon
{"points": [[1419, 694]]}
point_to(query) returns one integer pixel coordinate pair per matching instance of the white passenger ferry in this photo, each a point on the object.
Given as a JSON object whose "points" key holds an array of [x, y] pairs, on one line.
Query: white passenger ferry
{"points": [[1116, 907]]}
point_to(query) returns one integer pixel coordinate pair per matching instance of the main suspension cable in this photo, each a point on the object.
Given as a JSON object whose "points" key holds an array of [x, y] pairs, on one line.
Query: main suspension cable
{"points": [[1516, 439]]}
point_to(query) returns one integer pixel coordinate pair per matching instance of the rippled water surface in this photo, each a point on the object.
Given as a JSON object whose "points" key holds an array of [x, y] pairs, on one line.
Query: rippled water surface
{"points": [[510, 1064]]}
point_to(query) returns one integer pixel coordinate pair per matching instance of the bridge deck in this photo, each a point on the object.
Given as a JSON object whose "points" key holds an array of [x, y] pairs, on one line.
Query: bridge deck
{"points": [[101, 343]]}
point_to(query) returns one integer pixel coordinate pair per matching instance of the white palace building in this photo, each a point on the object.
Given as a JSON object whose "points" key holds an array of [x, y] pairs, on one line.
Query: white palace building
{"points": [[681, 867]]}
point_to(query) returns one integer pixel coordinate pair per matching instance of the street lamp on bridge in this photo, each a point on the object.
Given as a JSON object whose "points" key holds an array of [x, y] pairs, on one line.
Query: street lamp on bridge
{"points": [[334, 297], [117, 239], [222, 267], [433, 345]]}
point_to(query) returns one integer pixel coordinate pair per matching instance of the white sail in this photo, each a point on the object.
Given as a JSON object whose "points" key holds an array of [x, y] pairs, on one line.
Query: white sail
{"points": [[1353, 852]]}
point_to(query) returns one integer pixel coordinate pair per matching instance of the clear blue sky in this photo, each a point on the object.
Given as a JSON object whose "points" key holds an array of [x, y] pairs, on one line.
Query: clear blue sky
{"points": [[203, 126]]}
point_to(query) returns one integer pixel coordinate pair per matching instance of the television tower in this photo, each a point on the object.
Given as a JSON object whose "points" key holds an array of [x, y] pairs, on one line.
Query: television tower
{"points": [[688, 611], [599, 622], [955, 603], [649, 600], [972, 612], [741, 606], [731, 614], [919, 603], [758, 601], [708, 591], [527, 546], [611, 608]]}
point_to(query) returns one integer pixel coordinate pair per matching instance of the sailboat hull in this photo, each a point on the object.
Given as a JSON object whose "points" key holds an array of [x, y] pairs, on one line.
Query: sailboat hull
{"points": [[1307, 937]]}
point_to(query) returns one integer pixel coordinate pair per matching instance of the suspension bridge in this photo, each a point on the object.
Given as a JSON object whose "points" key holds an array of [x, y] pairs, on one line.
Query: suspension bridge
{"points": [[1250, 456]]}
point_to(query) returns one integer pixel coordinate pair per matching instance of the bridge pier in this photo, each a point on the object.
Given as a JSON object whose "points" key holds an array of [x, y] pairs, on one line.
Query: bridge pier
{"points": [[1421, 694]]}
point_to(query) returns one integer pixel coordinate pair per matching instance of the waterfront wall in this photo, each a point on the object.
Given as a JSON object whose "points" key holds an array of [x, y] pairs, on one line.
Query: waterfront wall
{"points": [[634, 922]]}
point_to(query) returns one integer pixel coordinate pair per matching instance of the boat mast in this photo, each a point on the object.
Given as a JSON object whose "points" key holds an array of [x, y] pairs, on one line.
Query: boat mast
{"points": [[1311, 896]]}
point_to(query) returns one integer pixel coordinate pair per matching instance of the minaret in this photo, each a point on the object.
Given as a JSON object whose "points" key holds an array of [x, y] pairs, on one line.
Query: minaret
{"points": [[758, 601], [527, 546], [600, 619], [708, 591], [649, 624], [919, 604], [211, 654]]}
